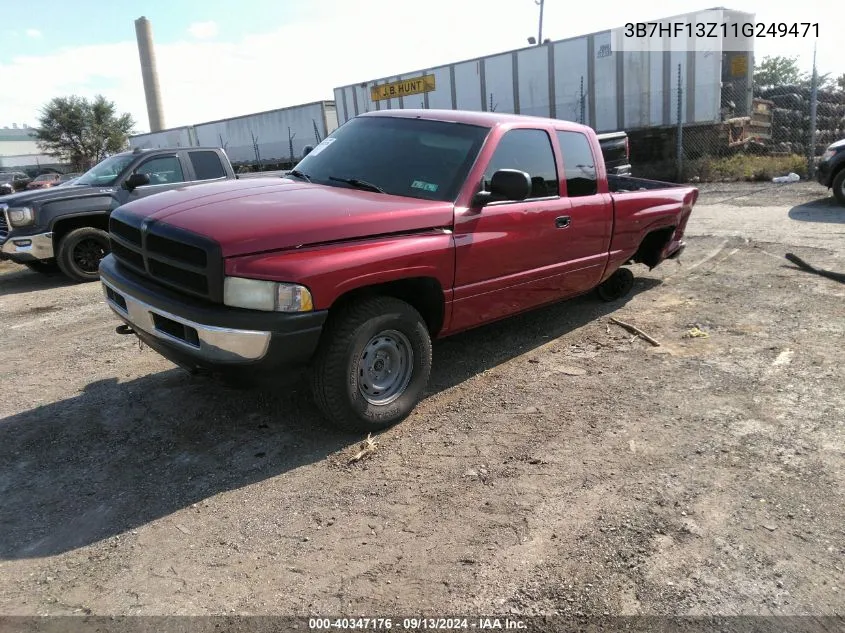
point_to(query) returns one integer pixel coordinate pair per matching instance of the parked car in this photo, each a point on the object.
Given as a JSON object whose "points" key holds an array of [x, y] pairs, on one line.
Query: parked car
{"points": [[66, 227], [401, 227], [616, 150], [44, 181], [66, 179], [12, 181], [830, 170]]}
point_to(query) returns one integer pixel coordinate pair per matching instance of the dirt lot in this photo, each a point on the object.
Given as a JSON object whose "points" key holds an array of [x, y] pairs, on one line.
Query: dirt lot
{"points": [[556, 466]]}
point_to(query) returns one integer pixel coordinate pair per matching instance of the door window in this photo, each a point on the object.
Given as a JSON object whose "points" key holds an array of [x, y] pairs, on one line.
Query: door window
{"points": [[207, 165], [529, 151], [162, 170], [578, 164]]}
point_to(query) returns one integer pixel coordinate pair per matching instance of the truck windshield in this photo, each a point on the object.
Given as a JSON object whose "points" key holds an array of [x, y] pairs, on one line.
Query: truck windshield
{"points": [[105, 173], [416, 158]]}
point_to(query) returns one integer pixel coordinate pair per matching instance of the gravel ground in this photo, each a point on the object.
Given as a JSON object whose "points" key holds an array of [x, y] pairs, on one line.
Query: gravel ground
{"points": [[556, 466]]}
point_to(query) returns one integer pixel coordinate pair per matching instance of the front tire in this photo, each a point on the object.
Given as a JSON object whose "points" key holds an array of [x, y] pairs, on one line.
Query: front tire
{"points": [[80, 252], [838, 186], [372, 365]]}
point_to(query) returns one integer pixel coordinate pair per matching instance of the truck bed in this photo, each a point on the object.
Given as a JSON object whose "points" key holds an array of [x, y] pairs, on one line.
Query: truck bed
{"points": [[618, 183], [649, 218]]}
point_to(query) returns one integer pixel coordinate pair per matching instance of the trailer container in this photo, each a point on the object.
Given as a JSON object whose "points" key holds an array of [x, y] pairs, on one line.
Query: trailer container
{"points": [[583, 79], [274, 136], [265, 137], [174, 137]]}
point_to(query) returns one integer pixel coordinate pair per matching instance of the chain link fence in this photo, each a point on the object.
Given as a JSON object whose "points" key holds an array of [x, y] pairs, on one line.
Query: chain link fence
{"points": [[785, 131]]}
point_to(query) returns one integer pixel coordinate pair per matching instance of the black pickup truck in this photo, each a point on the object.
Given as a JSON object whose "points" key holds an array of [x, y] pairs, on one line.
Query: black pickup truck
{"points": [[617, 153], [67, 227]]}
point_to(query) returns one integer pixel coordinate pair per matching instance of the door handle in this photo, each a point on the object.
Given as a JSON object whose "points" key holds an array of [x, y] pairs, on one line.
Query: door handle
{"points": [[562, 221]]}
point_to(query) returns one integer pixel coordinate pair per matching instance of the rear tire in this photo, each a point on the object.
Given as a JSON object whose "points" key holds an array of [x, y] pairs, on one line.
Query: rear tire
{"points": [[372, 365], [80, 252], [616, 286], [838, 186]]}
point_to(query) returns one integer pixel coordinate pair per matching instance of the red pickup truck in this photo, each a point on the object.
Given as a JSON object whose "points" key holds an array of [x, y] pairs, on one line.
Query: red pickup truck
{"points": [[401, 227]]}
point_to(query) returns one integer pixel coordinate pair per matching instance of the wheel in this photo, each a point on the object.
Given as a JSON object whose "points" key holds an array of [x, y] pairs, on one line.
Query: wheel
{"points": [[372, 364], [617, 285], [838, 186], [80, 252], [44, 267]]}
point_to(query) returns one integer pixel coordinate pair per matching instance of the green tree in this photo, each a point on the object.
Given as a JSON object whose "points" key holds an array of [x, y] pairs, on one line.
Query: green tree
{"points": [[82, 132], [778, 71]]}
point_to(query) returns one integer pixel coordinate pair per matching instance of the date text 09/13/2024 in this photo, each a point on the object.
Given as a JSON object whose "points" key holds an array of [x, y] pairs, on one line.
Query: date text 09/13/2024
{"points": [[417, 624]]}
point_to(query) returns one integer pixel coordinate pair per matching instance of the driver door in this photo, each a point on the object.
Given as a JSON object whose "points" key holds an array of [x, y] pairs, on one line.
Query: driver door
{"points": [[166, 171], [508, 255]]}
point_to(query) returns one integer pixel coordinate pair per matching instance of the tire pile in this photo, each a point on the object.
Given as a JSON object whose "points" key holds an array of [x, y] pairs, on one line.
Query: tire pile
{"points": [[791, 118]]}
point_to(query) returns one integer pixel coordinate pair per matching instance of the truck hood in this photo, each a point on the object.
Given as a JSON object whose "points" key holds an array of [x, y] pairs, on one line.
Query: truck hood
{"points": [[266, 214], [52, 194]]}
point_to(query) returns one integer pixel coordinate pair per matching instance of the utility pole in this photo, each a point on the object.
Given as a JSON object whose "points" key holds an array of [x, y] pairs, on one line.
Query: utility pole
{"points": [[814, 100], [540, 31]]}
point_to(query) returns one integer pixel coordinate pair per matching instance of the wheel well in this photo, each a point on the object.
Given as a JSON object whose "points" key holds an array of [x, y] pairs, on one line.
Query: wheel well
{"points": [[652, 246], [424, 293], [63, 227]]}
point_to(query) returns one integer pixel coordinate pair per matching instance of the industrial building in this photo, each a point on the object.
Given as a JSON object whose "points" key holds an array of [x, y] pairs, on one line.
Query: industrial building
{"points": [[581, 79], [266, 138], [19, 151]]}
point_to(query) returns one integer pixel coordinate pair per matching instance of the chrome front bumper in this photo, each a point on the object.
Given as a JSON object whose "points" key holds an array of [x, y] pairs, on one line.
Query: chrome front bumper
{"points": [[204, 342], [28, 247]]}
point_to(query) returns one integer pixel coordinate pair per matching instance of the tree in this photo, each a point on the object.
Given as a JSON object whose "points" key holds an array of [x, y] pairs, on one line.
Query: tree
{"points": [[784, 71], [778, 71], [82, 132], [840, 82]]}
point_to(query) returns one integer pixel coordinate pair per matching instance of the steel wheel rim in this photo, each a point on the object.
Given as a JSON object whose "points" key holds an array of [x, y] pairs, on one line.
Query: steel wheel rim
{"points": [[87, 255], [385, 367]]}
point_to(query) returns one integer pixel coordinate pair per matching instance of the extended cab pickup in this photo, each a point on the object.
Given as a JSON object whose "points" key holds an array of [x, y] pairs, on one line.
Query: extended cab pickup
{"points": [[401, 227], [66, 227]]}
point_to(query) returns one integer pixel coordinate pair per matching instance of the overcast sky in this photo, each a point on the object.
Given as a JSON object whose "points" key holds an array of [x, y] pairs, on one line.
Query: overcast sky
{"points": [[216, 61]]}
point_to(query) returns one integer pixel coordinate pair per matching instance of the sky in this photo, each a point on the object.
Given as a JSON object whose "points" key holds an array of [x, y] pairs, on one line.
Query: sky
{"points": [[218, 59]]}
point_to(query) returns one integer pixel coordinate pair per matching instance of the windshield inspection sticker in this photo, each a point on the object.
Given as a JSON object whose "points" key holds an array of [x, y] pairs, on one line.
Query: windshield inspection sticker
{"points": [[425, 186], [323, 145]]}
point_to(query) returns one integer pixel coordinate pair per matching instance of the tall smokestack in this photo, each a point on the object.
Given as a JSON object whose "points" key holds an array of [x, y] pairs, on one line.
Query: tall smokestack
{"points": [[144, 33]]}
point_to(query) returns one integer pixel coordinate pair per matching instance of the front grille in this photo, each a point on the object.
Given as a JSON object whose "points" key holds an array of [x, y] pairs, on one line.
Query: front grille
{"points": [[170, 256]]}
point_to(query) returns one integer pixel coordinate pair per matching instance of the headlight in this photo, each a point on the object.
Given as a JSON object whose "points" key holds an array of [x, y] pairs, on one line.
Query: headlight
{"points": [[20, 216], [828, 154], [257, 294]]}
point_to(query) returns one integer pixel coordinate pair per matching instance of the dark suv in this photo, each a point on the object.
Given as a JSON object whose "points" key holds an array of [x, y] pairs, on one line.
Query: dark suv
{"points": [[831, 170]]}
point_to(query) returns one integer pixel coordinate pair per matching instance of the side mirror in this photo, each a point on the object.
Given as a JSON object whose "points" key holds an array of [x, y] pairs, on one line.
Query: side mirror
{"points": [[136, 180], [306, 150], [506, 184]]}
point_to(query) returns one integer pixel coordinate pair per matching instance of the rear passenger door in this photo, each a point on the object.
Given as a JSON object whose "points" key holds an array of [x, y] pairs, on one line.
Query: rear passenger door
{"points": [[587, 241], [508, 254], [206, 165]]}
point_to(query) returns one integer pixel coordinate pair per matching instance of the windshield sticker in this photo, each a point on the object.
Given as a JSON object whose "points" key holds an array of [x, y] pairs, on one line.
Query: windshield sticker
{"points": [[323, 145], [425, 186]]}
